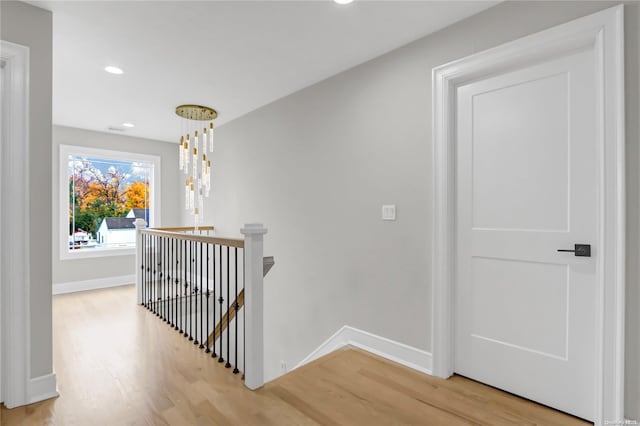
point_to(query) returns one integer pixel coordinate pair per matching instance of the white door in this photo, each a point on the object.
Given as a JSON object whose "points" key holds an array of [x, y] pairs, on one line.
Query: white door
{"points": [[527, 180]]}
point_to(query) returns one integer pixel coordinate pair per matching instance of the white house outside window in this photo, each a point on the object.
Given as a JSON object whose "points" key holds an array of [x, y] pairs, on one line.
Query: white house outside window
{"points": [[102, 194]]}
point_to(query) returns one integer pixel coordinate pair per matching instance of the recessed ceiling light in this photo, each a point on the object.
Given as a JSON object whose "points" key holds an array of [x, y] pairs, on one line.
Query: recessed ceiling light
{"points": [[128, 125], [113, 70], [343, 1]]}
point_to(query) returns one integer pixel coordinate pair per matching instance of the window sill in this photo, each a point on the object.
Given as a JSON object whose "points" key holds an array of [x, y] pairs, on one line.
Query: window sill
{"points": [[96, 253]]}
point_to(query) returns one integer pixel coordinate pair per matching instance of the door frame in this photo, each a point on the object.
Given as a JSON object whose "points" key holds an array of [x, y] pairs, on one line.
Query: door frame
{"points": [[603, 30], [15, 262]]}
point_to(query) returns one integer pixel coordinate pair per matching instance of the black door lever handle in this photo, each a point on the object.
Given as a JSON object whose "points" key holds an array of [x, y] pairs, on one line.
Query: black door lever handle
{"points": [[580, 250]]}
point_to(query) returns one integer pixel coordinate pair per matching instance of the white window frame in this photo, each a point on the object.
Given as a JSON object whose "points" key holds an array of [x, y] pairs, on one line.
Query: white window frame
{"points": [[63, 224]]}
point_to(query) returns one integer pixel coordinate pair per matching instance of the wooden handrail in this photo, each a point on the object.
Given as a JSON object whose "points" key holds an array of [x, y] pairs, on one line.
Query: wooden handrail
{"points": [[186, 228], [230, 242]]}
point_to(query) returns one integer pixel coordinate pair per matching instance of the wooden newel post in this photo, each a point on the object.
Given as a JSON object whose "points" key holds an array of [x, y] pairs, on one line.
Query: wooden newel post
{"points": [[140, 225], [254, 307]]}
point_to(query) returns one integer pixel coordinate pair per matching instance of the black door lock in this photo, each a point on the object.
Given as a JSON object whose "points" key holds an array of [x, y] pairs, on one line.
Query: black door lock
{"points": [[582, 250]]}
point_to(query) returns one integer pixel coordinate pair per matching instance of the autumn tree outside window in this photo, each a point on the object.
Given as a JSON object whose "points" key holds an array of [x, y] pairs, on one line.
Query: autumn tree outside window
{"points": [[104, 192]]}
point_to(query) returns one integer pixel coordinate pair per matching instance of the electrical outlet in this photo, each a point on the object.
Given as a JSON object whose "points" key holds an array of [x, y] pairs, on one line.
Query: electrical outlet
{"points": [[283, 366], [389, 212]]}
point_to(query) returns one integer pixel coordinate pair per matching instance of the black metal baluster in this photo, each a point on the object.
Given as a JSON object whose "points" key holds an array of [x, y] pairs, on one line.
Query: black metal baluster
{"points": [[174, 281], [172, 270], [158, 278], [201, 302], [150, 273], [195, 273], [228, 364], [161, 277], [179, 286], [149, 270], [185, 265], [236, 305], [221, 300], [146, 271], [176, 244], [213, 304], [183, 303], [153, 277], [186, 286], [170, 266], [142, 244], [207, 308], [194, 289], [190, 312], [141, 266], [165, 274], [145, 291], [164, 280], [153, 273], [156, 273], [156, 254], [167, 278]]}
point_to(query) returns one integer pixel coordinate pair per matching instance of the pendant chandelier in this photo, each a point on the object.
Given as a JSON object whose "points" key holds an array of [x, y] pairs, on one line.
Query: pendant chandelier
{"points": [[196, 137]]}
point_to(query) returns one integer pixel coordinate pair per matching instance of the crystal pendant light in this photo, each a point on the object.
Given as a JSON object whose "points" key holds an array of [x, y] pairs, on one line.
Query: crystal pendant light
{"points": [[192, 158]]}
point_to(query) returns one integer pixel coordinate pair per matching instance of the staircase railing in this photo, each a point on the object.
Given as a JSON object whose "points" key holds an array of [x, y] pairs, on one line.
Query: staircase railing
{"points": [[199, 283], [267, 264]]}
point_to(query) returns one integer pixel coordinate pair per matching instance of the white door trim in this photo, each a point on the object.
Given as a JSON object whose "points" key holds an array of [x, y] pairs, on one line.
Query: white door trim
{"points": [[15, 228], [604, 31]]}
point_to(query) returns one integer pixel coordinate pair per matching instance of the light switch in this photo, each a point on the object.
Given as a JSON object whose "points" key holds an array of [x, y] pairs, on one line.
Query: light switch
{"points": [[389, 212]]}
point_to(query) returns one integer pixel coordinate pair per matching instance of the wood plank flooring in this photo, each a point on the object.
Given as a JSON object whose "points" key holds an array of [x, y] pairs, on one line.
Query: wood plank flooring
{"points": [[118, 364]]}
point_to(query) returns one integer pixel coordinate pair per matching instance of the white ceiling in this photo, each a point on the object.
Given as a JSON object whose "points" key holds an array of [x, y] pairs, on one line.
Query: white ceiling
{"points": [[234, 56]]}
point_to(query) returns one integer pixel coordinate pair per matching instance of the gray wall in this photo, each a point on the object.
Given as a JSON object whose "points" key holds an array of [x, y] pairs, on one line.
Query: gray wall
{"points": [[31, 26], [111, 266], [316, 167]]}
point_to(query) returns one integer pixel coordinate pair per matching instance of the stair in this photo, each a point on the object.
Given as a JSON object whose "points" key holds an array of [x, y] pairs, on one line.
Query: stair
{"points": [[267, 264]]}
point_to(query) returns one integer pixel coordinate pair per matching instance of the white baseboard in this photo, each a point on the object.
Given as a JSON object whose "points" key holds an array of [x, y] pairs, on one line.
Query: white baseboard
{"points": [[73, 286], [41, 388], [406, 355]]}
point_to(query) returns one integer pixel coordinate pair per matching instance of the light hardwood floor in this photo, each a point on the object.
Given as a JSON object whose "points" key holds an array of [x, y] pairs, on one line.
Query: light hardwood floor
{"points": [[118, 364]]}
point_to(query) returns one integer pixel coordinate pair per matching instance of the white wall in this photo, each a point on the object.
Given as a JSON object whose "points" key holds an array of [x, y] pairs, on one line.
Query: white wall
{"points": [[32, 27], [65, 271], [316, 166]]}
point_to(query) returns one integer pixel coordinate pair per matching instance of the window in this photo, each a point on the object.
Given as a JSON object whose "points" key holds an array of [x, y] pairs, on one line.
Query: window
{"points": [[102, 193]]}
